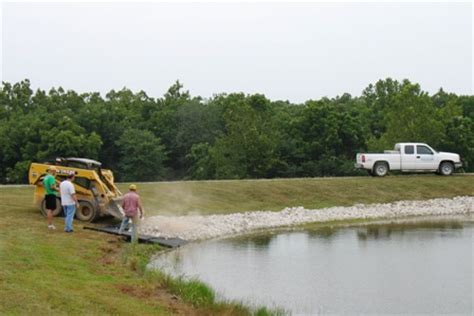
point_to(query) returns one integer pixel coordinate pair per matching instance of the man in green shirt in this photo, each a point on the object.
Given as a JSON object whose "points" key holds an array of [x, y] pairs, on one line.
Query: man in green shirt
{"points": [[49, 183]]}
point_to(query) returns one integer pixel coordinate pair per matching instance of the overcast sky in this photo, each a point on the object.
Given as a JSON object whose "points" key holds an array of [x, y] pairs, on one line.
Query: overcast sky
{"points": [[288, 51]]}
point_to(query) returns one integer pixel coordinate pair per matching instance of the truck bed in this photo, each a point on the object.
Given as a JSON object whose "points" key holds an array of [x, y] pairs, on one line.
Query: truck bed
{"points": [[393, 159]]}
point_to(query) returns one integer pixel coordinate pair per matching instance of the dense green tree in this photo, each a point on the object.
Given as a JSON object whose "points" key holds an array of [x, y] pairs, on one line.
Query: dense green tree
{"points": [[141, 156], [380, 98], [164, 122], [412, 116], [460, 139], [467, 105], [201, 164], [246, 149], [196, 123], [330, 134]]}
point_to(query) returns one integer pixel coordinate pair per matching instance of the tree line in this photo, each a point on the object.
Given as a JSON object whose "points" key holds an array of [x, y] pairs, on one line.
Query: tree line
{"points": [[229, 136]]}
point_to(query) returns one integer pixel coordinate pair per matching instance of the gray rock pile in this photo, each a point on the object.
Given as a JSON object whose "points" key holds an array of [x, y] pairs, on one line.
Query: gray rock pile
{"points": [[198, 227]]}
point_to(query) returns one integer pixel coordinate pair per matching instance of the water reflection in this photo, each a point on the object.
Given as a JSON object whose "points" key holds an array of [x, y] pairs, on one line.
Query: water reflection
{"points": [[323, 232], [400, 267], [263, 240], [373, 232], [259, 241], [386, 230]]}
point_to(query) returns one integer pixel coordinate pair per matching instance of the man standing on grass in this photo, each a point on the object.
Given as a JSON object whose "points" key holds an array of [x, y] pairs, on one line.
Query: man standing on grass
{"points": [[49, 183], [132, 206], [69, 202]]}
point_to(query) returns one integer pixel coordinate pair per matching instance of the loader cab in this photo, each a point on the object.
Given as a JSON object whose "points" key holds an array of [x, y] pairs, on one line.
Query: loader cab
{"points": [[88, 164]]}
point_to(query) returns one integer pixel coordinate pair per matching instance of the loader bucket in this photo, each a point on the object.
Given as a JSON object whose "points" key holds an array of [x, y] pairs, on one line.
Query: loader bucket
{"points": [[114, 208]]}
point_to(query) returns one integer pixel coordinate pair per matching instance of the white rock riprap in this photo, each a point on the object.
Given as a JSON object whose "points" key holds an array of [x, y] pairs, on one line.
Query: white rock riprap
{"points": [[197, 227]]}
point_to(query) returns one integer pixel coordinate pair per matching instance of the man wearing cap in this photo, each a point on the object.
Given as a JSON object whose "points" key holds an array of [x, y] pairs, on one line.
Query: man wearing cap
{"points": [[132, 206], [49, 183]]}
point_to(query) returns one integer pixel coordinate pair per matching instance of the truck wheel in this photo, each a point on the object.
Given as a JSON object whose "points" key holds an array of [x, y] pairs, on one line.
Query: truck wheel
{"points": [[86, 212], [380, 169], [57, 212], [446, 168]]}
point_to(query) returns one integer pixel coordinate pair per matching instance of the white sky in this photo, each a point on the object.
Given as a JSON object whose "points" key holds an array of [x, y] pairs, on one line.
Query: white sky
{"points": [[289, 51]]}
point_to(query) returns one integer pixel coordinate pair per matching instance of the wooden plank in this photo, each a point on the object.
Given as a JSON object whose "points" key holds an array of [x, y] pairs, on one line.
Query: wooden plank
{"points": [[165, 242]]}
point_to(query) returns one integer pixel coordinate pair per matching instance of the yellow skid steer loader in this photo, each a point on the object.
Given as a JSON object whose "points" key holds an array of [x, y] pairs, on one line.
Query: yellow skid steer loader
{"points": [[95, 188]]}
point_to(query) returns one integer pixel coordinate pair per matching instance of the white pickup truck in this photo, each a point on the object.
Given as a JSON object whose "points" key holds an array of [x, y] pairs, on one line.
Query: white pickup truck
{"points": [[409, 157]]}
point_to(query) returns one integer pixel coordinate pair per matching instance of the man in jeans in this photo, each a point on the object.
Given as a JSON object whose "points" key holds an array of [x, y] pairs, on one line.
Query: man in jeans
{"points": [[69, 202], [132, 206], [49, 183]]}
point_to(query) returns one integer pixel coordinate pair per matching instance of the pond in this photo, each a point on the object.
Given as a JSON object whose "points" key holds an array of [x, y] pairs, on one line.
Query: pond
{"points": [[410, 266]]}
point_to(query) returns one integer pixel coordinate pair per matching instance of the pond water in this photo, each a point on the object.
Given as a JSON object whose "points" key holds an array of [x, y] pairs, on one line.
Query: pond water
{"points": [[408, 267]]}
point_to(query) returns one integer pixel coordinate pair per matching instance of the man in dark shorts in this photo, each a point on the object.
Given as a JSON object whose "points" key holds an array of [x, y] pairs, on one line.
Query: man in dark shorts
{"points": [[49, 183]]}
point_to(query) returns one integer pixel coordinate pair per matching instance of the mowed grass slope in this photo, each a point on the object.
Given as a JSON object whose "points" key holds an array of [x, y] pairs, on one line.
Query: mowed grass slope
{"points": [[44, 272], [50, 272], [85, 273], [211, 197]]}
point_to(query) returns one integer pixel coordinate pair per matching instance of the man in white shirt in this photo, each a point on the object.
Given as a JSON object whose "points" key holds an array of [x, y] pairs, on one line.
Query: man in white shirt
{"points": [[68, 201]]}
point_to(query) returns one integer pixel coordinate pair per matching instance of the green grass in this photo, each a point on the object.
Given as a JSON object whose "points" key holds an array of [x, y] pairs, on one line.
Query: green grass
{"points": [[201, 295], [50, 272], [44, 272], [210, 197]]}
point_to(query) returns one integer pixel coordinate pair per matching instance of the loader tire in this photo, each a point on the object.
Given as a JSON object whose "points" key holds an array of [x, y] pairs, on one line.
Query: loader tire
{"points": [[86, 212], [57, 212]]}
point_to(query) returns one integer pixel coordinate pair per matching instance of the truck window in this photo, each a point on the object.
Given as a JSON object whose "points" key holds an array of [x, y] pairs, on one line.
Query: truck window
{"points": [[409, 150], [423, 150]]}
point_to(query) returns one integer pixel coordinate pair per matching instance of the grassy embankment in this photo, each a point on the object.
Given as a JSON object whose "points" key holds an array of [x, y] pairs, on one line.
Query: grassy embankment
{"points": [[86, 273], [43, 272]]}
